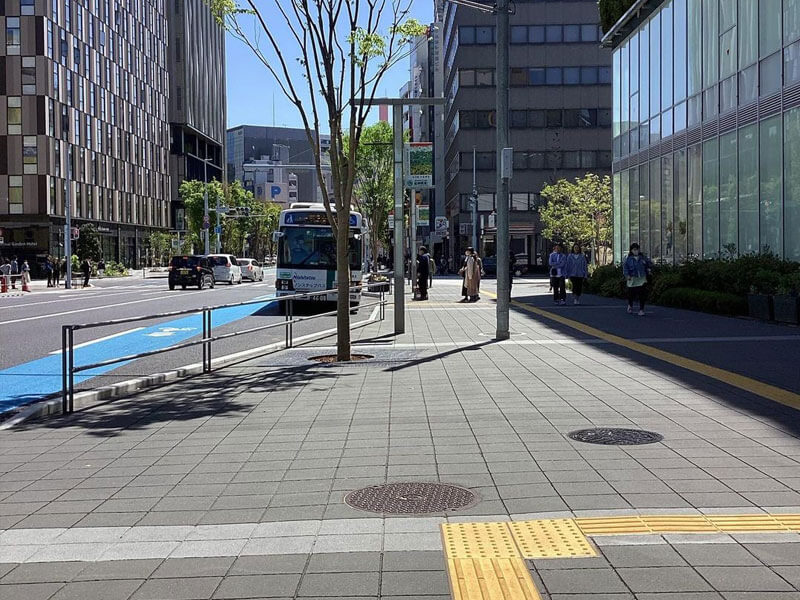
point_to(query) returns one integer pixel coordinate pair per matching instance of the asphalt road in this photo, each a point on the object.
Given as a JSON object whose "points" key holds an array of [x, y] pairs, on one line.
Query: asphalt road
{"points": [[30, 333]]}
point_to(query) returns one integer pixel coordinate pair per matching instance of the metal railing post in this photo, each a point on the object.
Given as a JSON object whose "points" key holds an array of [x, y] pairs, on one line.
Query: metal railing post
{"points": [[210, 343], [205, 337], [64, 369], [291, 324], [71, 371]]}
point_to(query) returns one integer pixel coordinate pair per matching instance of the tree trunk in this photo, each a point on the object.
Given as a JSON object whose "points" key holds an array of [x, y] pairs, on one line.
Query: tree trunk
{"points": [[343, 286]]}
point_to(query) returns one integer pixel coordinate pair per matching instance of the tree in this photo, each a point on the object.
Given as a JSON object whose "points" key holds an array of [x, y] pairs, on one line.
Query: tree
{"points": [[342, 56], [579, 212], [160, 244], [88, 244], [191, 193], [374, 184]]}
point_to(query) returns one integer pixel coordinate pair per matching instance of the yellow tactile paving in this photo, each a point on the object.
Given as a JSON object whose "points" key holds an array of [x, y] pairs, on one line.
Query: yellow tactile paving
{"points": [[479, 540], [485, 561], [491, 579], [551, 538]]}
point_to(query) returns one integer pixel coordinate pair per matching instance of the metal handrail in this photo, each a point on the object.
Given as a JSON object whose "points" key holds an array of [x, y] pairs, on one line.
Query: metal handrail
{"points": [[68, 368]]}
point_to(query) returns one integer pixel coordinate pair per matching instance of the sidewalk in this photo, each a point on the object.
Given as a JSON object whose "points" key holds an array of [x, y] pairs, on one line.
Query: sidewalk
{"points": [[232, 485]]}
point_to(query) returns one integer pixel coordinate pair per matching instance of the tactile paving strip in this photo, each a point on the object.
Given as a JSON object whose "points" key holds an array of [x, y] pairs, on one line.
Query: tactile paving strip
{"points": [[479, 540], [551, 538], [688, 524], [491, 579]]}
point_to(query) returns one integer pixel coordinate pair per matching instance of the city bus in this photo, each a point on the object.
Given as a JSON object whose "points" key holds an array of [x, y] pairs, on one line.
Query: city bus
{"points": [[307, 253]]}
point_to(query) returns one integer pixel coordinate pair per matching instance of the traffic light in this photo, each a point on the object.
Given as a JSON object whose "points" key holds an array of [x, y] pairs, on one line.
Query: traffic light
{"points": [[245, 210]]}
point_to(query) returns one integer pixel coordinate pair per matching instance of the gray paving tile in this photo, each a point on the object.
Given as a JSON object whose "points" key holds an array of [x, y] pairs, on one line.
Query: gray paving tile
{"points": [[266, 565], [118, 569], [345, 562], [44, 572], [721, 555], [663, 579], [258, 586], [117, 589], [413, 561], [198, 567], [744, 579], [29, 591], [414, 583], [576, 581], [643, 556], [339, 584], [183, 588], [776, 554]]}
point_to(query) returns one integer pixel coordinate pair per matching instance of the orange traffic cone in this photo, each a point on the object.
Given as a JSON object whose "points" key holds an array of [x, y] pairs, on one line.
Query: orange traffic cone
{"points": [[3, 284], [25, 286]]}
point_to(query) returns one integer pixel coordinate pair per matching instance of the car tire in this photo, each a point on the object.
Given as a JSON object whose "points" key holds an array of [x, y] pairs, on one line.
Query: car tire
{"points": [[230, 281], [211, 282], [201, 282]]}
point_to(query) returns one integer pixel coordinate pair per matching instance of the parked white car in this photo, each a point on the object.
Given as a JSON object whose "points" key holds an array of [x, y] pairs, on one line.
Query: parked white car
{"points": [[226, 268], [251, 269]]}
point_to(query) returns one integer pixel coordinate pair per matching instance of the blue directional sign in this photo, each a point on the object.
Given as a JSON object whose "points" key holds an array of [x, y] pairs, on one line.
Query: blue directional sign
{"points": [[218, 229]]}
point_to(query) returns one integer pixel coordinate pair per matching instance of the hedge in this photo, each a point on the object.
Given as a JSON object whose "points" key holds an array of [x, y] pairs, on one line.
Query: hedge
{"points": [[719, 303]]}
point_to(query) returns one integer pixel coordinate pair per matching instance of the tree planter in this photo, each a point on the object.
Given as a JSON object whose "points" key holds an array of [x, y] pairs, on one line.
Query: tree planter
{"points": [[786, 308], [760, 306]]}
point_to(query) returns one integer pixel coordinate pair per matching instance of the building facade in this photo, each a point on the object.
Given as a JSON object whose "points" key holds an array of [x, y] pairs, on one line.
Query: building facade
{"points": [[84, 93], [249, 144], [560, 121], [707, 128], [197, 99]]}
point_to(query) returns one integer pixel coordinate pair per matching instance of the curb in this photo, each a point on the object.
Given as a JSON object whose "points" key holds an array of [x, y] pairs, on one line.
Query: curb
{"points": [[52, 406]]}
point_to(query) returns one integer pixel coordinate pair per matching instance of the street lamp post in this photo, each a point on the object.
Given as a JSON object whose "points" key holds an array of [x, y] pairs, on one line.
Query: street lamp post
{"points": [[504, 157]]}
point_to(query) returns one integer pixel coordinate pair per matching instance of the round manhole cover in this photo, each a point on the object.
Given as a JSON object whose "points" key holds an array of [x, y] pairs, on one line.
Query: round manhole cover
{"points": [[411, 498], [613, 436]]}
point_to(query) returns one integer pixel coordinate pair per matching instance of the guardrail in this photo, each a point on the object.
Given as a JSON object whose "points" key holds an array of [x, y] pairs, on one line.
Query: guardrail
{"points": [[68, 368]]}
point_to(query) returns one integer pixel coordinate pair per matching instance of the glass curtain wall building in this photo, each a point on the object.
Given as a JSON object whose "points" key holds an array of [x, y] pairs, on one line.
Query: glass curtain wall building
{"points": [[706, 125]]}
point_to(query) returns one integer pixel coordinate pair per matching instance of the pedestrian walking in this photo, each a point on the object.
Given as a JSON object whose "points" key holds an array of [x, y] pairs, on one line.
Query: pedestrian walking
{"points": [[423, 272], [577, 271], [86, 269], [14, 272], [48, 270], [26, 273], [636, 269], [58, 270], [558, 265], [101, 268], [5, 272], [471, 271]]}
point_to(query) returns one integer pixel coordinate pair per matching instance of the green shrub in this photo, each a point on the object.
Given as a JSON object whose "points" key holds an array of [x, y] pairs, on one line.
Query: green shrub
{"points": [[605, 278], [720, 303], [115, 269], [663, 281]]}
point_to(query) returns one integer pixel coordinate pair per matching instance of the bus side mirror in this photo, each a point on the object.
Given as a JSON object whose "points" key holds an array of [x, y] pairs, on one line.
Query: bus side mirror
{"points": [[277, 235]]}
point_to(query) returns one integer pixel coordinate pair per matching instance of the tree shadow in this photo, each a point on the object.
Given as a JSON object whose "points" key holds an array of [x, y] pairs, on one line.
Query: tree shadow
{"points": [[211, 395]]}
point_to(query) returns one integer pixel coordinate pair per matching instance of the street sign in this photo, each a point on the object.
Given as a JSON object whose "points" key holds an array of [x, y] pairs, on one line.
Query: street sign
{"points": [[419, 165], [465, 228], [275, 190], [441, 225], [218, 229], [423, 215]]}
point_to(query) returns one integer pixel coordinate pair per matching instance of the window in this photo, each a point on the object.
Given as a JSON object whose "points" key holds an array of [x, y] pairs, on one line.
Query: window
{"points": [[15, 204], [679, 51], [666, 57], [12, 35], [727, 100], [694, 45], [553, 34], [748, 189], [791, 178], [589, 75], [748, 34], [484, 35], [791, 63], [572, 33], [572, 75], [536, 76], [655, 66], [553, 76], [518, 119], [728, 217], [589, 33], [710, 198], [484, 77], [29, 75], [29, 154], [554, 118], [14, 115], [748, 85], [51, 117], [791, 20], [50, 39], [769, 26], [536, 34], [466, 77], [519, 34], [770, 178], [770, 75], [537, 119], [727, 53], [604, 75]]}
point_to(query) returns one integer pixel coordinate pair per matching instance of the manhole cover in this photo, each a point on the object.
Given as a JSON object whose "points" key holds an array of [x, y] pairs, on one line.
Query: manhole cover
{"points": [[410, 498], [613, 436]]}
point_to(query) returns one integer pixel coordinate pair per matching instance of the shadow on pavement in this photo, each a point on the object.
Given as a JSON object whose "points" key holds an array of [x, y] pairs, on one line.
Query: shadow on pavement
{"points": [[679, 322], [210, 395]]}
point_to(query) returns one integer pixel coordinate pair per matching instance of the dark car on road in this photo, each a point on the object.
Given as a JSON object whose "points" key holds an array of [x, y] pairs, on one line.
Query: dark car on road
{"points": [[190, 270]]}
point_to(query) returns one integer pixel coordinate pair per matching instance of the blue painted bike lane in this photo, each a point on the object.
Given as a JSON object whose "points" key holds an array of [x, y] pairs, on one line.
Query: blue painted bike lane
{"points": [[36, 379]]}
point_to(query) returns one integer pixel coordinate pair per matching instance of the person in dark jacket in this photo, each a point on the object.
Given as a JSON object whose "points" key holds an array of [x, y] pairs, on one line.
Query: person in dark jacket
{"points": [[86, 269], [636, 269], [423, 272]]}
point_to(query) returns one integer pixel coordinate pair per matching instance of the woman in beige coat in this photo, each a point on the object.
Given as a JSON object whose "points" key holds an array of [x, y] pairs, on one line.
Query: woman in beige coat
{"points": [[471, 271]]}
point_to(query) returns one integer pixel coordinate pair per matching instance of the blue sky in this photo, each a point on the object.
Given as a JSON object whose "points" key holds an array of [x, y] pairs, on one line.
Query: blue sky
{"points": [[251, 88]]}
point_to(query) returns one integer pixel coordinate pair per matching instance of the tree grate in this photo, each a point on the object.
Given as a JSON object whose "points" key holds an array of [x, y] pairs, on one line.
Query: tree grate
{"points": [[411, 498], [614, 436]]}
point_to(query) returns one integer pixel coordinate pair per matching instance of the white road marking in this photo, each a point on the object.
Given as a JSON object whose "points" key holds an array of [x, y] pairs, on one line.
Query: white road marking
{"points": [[101, 339], [169, 331]]}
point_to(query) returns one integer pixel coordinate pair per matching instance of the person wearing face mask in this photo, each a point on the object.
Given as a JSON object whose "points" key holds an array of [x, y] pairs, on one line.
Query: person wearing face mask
{"points": [[636, 269]]}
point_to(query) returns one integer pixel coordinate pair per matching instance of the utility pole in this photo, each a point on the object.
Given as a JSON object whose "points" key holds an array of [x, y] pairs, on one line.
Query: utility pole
{"points": [[474, 204], [504, 157], [399, 276], [68, 226], [205, 208]]}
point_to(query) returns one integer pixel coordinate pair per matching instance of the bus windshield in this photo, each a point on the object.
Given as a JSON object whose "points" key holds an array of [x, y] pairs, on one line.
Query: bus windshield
{"points": [[314, 247]]}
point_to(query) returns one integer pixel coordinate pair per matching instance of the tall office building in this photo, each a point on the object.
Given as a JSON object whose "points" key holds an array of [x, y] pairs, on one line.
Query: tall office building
{"points": [[258, 145], [560, 104], [197, 101], [707, 128], [84, 105]]}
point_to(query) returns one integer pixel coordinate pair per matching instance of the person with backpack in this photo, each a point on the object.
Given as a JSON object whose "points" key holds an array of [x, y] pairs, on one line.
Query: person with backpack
{"points": [[577, 271], [423, 272], [558, 265], [636, 269]]}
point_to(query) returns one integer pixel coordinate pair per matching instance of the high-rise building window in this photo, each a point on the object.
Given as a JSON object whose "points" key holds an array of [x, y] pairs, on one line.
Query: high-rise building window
{"points": [[29, 155], [14, 115], [29, 75], [51, 117], [50, 39], [68, 14], [15, 205], [13, 36]]}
